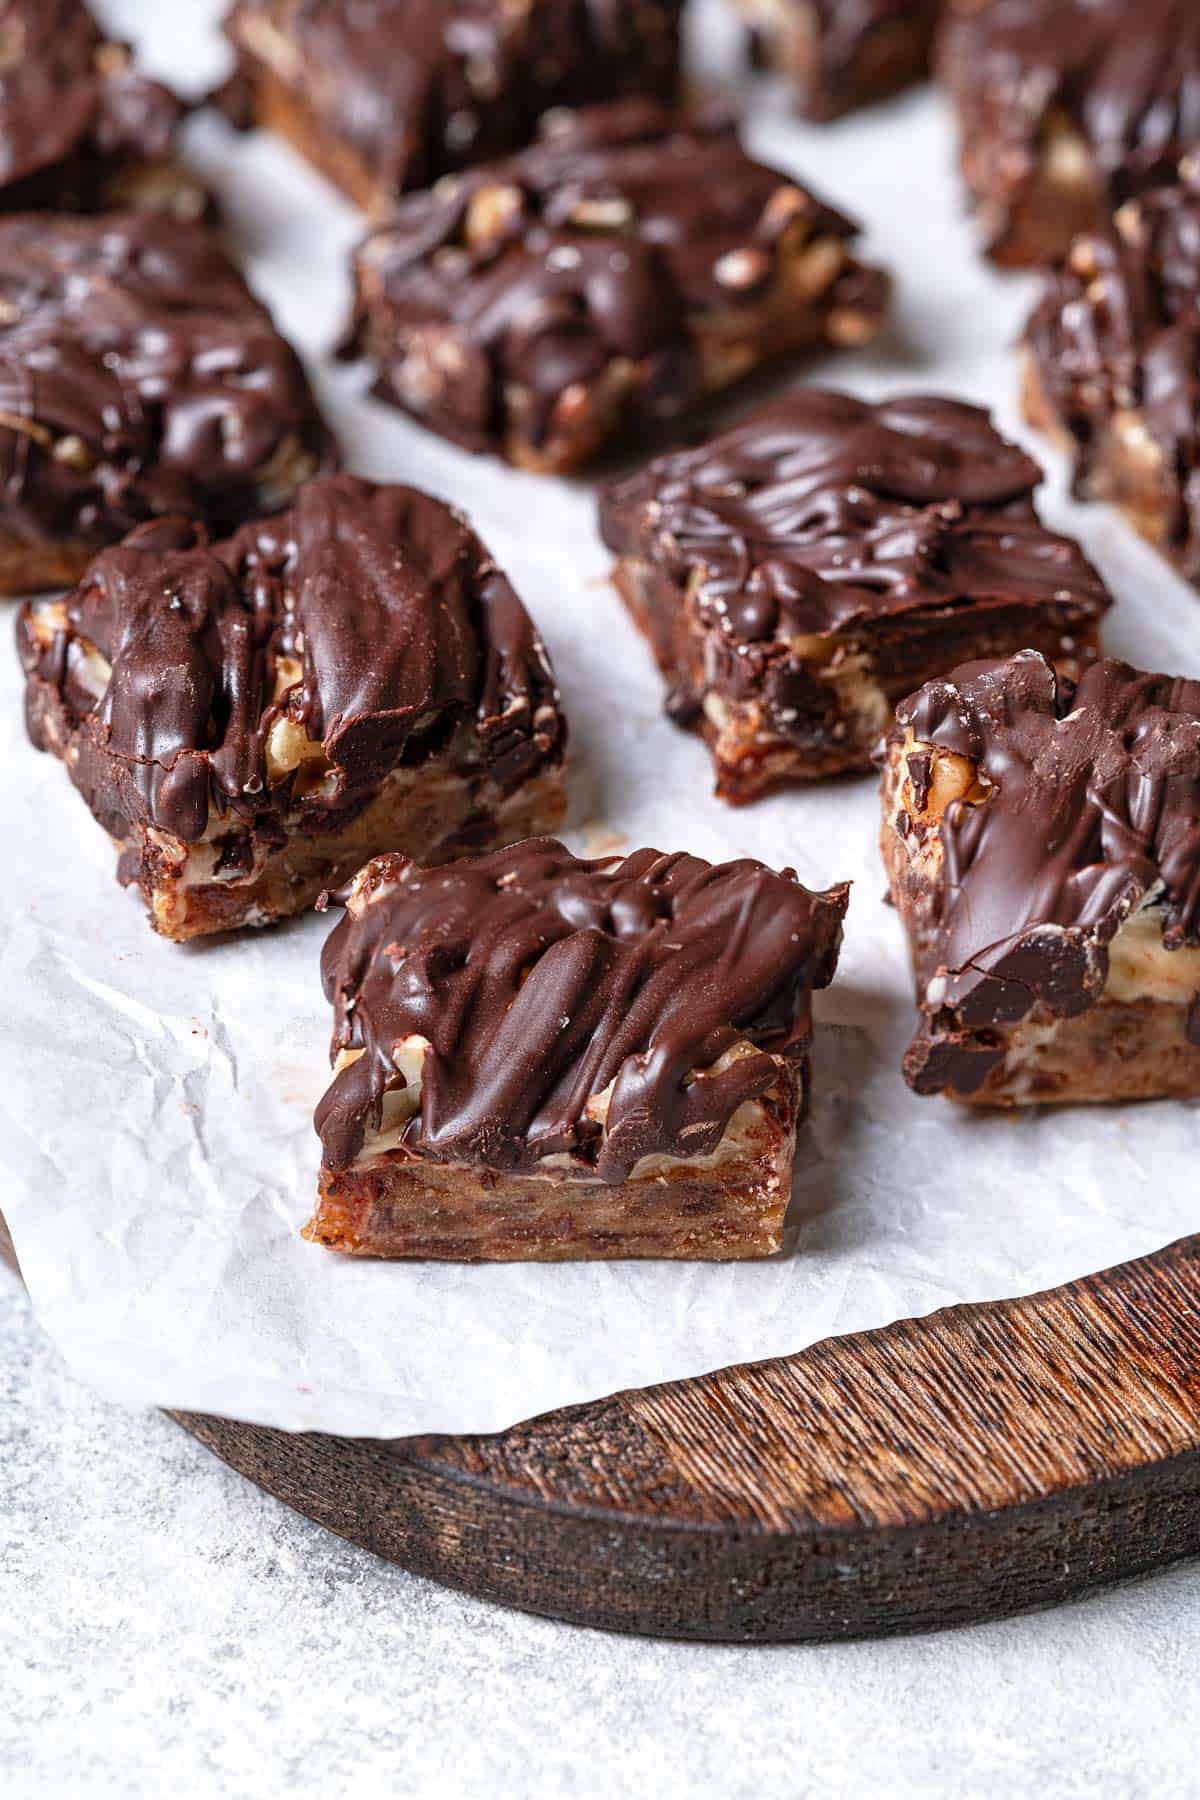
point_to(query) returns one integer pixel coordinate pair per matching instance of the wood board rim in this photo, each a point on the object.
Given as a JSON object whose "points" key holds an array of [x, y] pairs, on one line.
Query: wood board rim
{"points": [[650, 1512]]}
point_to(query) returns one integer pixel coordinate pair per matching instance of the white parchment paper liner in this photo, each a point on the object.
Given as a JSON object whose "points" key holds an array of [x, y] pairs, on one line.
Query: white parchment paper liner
{"points": [[155, 1102]]}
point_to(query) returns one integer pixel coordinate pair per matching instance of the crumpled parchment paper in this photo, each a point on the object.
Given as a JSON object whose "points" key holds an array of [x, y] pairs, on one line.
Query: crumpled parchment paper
{"points": [[155, 1102]]}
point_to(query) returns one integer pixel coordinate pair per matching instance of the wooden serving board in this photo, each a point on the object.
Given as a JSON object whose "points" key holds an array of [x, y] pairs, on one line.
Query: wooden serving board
{"points": [[958, 1467]]}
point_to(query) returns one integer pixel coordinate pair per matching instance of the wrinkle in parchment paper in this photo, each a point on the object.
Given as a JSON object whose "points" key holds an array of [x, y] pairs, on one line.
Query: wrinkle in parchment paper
{"points": [[155, 1101]]}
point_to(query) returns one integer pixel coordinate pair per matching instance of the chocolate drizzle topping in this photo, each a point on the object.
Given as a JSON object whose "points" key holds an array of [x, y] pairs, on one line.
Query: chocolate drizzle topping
{"points": [[140, 376], [1091, 808], [607, 239], [1125, 74], [539, 980], [66, 91], [820, 513], [370, 617], [417, 88], [1117, 331]]}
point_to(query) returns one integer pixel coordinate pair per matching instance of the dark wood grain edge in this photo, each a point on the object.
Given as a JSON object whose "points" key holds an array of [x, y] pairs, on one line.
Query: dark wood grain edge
{"points": [[981, 1461], [963, 1466], [723, 1583]]}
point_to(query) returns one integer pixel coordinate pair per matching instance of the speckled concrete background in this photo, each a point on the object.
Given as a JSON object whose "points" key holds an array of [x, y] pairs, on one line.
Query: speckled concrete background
{"points": [[167, 1630]]}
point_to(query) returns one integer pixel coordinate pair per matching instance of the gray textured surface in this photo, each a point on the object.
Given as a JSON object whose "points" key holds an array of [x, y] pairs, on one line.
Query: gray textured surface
{"points": [[165, 1629]]}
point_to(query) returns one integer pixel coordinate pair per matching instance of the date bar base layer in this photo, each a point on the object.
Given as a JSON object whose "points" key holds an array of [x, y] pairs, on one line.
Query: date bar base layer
{"points": [[1117, 1050], [278, 108], [1126, 469], [1033, 225], [855, 683], [432, 813], [31, 568], [723, 1208]]}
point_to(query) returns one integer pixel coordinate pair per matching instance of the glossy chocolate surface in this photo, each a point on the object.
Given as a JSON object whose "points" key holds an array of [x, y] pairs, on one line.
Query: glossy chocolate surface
{"points": [[1123, 74], [1092, 806], [67, 92], [613, 238], [140, 376], [370, 617], [1117, 332], [539, 980], [416, 88], [821, 514]]}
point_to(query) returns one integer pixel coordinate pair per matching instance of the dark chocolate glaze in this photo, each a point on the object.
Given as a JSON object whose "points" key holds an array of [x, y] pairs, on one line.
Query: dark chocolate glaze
{"points": [[539, 979], [820, 513], [68, 96], [402, 632], [613, 244], [1117, 330], [1124, 73], [140, 376], [1094, 805], [416, 88]]}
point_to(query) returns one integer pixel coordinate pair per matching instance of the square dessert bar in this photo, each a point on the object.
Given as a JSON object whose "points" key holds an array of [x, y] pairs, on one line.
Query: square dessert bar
{"points": [[596, 286], [1112, 365], [81, 130], [388, 95], [250, 720], [1067, 108], [540, 1059], [138, 376], [1042, 842], [803, 571], [842, 54]]}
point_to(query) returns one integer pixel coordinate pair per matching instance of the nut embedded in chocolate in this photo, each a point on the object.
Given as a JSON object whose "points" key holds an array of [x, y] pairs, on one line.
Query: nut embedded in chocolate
{"points": [[598, 285], [250, 720], [1066, 108], [1042, 841], [542, 1058], [139, 376], [1112, 365], [387, 95], [807, 568], [842, 54], [81, 129]]}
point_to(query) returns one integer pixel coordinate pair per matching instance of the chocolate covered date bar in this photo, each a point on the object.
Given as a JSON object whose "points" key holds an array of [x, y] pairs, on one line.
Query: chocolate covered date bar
{"points": [[804, 570], [1042, 841], [598, 285], [81, 129], [384, 96], [1067, 108], [842, 54], [138, 377], [1112, 365], [538, 1058], [251, 719]]}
